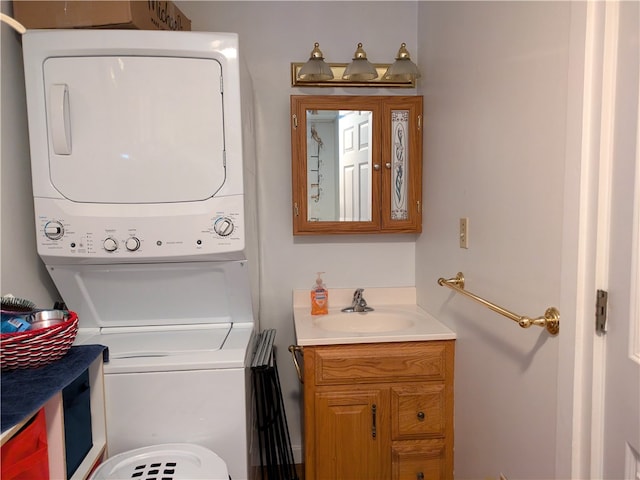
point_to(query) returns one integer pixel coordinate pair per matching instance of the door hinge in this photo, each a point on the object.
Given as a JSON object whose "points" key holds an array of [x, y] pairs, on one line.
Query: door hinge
{"points": [[295, 121], [601, 311]]}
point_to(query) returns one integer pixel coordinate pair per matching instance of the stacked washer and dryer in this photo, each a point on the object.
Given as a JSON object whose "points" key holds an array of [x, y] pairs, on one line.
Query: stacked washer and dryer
{"points": [[143, 173]]}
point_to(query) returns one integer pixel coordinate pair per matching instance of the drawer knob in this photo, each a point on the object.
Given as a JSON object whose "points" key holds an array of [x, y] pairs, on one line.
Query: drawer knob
{"points": [[420, 476], [421, 416]]}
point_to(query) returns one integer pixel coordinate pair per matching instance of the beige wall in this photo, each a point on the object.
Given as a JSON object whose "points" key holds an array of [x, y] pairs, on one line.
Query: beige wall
{"points": [[495, 107], [495, 87]]}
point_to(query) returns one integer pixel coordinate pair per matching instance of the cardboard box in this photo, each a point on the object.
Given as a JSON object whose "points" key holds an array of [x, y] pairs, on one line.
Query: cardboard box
{"points": [[132, 14]]}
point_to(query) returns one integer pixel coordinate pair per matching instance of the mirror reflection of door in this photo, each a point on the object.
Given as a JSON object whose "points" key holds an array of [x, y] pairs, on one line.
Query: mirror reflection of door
{"points": [[354, 134], [339, 165]]}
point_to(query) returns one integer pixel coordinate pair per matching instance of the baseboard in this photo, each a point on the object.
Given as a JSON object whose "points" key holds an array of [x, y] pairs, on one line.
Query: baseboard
{"points": [[297, 454]]}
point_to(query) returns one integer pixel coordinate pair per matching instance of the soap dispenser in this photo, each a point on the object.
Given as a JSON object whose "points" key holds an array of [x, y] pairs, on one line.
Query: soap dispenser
{"points": [[319, 297]]}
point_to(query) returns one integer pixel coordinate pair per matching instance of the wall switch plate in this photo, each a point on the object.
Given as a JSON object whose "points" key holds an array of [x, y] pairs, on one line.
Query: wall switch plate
{"points": [[464, 232]]}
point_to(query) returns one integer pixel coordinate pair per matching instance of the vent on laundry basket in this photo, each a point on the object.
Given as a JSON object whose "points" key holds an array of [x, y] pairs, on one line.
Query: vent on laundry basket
{"points": [[150, 471]]}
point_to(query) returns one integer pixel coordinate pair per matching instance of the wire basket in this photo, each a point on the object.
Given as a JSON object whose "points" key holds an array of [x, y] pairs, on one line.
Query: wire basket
{"points": [[35, 348]]}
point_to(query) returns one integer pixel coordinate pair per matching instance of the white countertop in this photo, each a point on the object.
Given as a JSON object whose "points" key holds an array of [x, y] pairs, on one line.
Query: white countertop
{"points": [[399, 301]]}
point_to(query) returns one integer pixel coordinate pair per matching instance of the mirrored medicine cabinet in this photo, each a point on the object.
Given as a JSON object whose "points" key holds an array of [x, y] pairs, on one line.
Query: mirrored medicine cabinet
{"points": [[356, 164]]}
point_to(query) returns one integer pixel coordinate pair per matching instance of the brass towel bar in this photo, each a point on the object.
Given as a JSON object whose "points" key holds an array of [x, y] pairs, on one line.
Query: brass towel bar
{"points": [[550, 320]]}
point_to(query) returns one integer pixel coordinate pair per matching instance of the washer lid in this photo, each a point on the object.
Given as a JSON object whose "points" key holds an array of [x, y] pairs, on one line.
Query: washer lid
{"points": [[139, 342], [173, 348], [156, 294], [134, 129]]}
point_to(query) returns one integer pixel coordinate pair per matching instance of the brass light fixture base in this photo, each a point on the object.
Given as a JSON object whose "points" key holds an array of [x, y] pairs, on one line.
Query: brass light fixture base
{"points": [[337, 80]]}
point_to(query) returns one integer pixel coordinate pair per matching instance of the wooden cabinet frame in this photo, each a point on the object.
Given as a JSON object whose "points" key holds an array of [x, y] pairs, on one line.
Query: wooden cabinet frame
{"points": [[386, 144]]}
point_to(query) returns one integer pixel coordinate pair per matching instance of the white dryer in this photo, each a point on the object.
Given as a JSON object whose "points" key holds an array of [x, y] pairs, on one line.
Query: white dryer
{"points": [[142, 166]]}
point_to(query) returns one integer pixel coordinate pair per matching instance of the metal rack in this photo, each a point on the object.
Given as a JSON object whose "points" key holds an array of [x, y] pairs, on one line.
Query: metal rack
{"points": [[276, 455]]}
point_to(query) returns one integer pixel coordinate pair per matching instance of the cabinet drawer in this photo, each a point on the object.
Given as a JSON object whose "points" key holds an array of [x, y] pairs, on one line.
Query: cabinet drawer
{"points": [[418, 461], [418, 411], [383, 362]]}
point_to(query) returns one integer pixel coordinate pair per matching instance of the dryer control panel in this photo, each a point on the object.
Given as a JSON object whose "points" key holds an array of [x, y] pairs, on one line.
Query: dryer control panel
{"points": [[68, 232]]}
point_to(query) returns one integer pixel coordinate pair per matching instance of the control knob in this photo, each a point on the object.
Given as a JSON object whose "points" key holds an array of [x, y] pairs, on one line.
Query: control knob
{"points": [[223, 226], [110, 244], [53, 230], [132, 244]]}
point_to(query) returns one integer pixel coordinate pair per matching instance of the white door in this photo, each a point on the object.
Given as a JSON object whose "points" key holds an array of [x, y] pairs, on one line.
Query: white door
{"points": [[621, 343], [354, 132]]}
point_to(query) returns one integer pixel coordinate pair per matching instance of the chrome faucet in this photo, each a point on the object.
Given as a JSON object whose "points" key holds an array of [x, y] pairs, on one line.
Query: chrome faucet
{"points": [[358, 304]]}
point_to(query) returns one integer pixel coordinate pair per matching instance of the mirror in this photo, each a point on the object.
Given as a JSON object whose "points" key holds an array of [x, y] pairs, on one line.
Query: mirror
{"points": [[340, 182], [339, 165]]}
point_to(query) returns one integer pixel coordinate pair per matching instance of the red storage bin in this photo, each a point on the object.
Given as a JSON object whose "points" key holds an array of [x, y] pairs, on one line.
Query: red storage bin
{"points": [[25, 455]]}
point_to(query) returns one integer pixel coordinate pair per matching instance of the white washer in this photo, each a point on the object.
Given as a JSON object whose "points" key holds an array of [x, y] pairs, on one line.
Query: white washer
{"points": [[171, 382], [142, 166]]}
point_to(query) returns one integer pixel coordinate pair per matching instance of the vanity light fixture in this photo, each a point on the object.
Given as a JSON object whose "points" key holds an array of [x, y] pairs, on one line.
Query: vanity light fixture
{"points": [[359, 73], [315, 70], [360, 68], [403, 68]]}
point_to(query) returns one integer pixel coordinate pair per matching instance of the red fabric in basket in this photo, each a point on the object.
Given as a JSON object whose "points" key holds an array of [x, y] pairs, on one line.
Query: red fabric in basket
{"points": [[34, 348], [25, 455]]}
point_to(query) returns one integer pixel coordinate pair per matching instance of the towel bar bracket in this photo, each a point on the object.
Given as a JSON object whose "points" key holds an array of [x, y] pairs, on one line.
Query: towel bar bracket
{"points": [[457, 281]]}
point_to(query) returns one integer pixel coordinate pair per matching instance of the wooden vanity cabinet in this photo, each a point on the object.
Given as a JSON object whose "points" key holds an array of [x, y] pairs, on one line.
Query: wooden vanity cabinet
{"points": [[379, 411]]}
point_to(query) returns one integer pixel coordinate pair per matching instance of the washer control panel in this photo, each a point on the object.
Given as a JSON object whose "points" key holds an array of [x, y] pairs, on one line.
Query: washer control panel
{"points": [[173, 234]]}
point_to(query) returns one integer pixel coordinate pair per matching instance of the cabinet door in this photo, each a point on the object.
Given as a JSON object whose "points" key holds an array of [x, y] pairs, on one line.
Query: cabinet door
{"points": [[352, 435], [401, 200]]}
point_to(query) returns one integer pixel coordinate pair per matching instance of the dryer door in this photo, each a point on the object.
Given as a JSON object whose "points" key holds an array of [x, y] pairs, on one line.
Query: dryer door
{"points": [[127, 129]]}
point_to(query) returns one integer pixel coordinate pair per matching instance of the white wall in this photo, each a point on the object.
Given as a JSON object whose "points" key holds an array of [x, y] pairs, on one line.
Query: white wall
{"points": [[496, 94], [22, 272]]}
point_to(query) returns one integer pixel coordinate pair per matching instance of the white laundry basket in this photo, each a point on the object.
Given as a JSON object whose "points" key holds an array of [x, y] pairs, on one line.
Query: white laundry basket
{"points": [[172, 461]]}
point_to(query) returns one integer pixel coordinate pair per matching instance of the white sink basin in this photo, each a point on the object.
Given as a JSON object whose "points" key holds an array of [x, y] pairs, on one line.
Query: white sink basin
{"points": [[365, 322], [396, 318]]}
